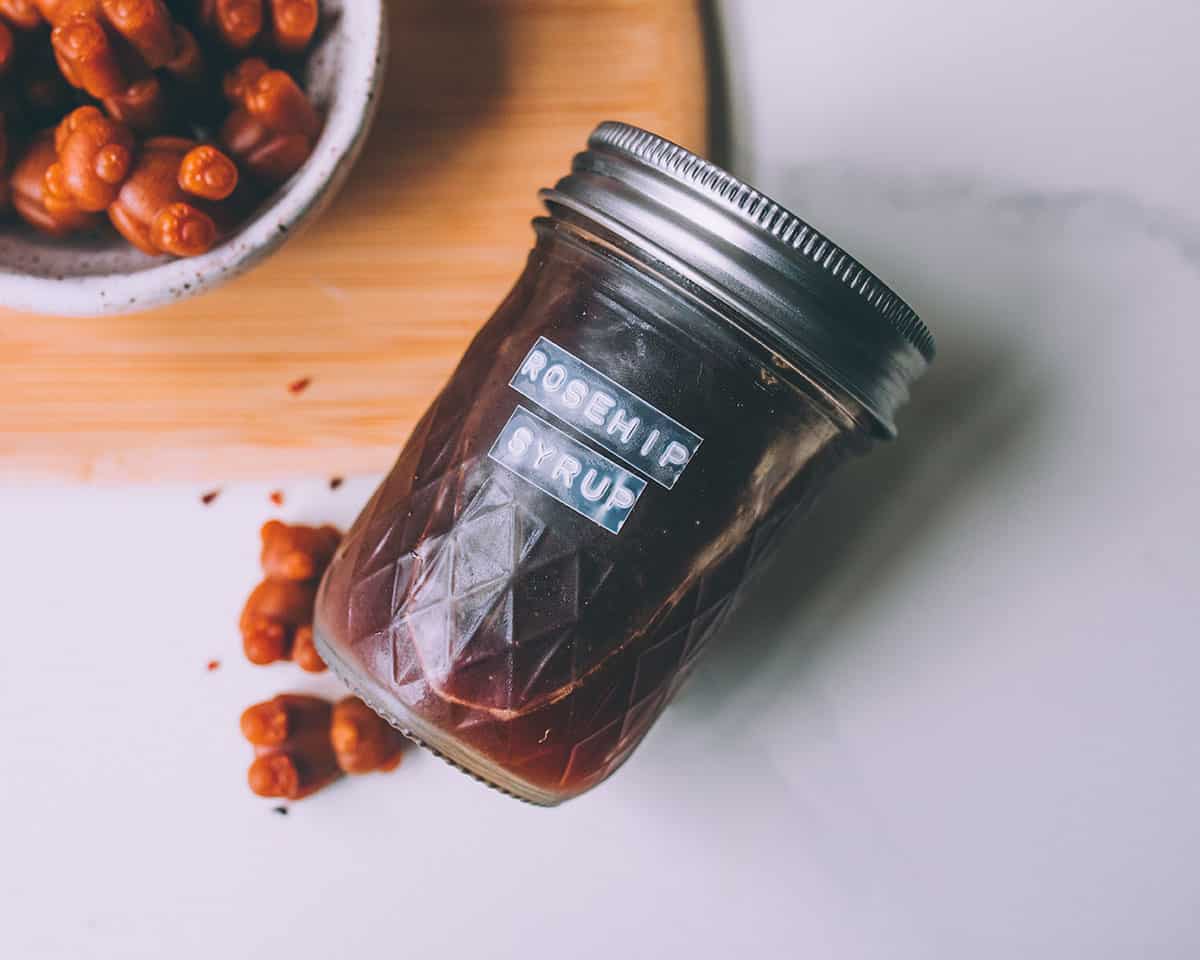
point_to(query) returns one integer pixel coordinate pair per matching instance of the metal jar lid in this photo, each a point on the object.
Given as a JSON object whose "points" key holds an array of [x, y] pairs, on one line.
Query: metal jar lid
{"points": [[817, 304]]}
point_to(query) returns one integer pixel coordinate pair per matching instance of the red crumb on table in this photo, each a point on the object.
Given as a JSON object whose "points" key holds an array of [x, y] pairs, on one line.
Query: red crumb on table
{"points": [[335, 482], [277, 497], [214, 665], [208, 498], [299, 386]]}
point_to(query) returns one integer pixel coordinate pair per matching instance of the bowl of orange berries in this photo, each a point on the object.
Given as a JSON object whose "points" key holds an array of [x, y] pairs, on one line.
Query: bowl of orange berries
{"points": [[152, 149]]}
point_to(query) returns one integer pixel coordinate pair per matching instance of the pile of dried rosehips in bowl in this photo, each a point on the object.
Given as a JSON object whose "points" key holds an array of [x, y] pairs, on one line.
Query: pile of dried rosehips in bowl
{"points": [[172, 119]]}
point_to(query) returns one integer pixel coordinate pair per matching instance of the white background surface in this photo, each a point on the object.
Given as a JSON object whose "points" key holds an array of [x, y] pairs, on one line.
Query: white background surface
{"points": [[959, 719]]}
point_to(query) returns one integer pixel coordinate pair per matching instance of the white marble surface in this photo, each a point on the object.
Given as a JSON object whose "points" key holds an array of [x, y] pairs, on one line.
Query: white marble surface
{"points": [[959, 719]]}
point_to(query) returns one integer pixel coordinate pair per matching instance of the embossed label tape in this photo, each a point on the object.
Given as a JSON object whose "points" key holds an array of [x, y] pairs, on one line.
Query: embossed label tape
{"points": [[601, 409], [573, 474]]}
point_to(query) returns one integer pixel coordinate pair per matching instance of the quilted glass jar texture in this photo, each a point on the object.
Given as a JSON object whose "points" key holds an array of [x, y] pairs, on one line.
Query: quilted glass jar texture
{"points": [[572, 519]]}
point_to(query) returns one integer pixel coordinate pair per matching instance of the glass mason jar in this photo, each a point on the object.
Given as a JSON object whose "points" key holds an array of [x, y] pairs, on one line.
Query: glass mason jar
{"points": [[674, 375]]}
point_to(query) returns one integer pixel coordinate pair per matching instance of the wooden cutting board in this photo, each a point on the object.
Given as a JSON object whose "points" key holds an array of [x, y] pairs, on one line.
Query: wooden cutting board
{"points": [[486, 102]]}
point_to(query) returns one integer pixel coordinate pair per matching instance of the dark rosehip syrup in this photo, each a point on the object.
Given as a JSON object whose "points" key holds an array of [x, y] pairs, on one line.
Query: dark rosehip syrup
{"points": [[518, 637], [676, 372]]}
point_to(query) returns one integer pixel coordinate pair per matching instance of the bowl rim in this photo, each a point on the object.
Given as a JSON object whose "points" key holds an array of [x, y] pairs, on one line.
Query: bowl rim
{"points": [[360, 68]]}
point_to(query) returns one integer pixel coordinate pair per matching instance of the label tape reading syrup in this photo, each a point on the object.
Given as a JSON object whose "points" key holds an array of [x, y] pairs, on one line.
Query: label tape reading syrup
{"points": [[577, 476], [616, 418]]}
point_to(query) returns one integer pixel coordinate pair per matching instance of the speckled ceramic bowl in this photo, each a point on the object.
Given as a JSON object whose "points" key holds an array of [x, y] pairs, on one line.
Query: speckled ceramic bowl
{"points": [[92, 275]]}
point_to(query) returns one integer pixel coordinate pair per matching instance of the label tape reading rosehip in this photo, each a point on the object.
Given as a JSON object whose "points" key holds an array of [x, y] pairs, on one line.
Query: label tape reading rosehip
{"points": [[600, 408], [577, 476]]}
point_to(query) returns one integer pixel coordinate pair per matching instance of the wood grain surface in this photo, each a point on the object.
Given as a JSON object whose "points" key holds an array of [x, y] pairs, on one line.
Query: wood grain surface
{"points": [[486, 102]]}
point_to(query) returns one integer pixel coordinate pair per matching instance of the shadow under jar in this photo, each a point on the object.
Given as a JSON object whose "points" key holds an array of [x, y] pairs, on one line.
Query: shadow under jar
{"points": [[676, 372]]}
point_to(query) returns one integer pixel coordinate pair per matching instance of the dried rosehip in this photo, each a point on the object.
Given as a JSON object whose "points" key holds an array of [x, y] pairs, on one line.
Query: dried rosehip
{"points": [[297, 552], [237, 22], [302, 744], [29, 196], [293, 23], [206, 172], [155, 209], [95, 155], [276, 622], [187, 63], [274, 611], [304, 651], [363, 741], [241, 24], [146, 26], [273, 126], [142, 105], [104, 46], [22, 14], [293, 753], [87, 57]]}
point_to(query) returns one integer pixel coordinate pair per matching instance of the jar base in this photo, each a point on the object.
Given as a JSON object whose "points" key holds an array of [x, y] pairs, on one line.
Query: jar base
{"points": [[465, 761]]}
